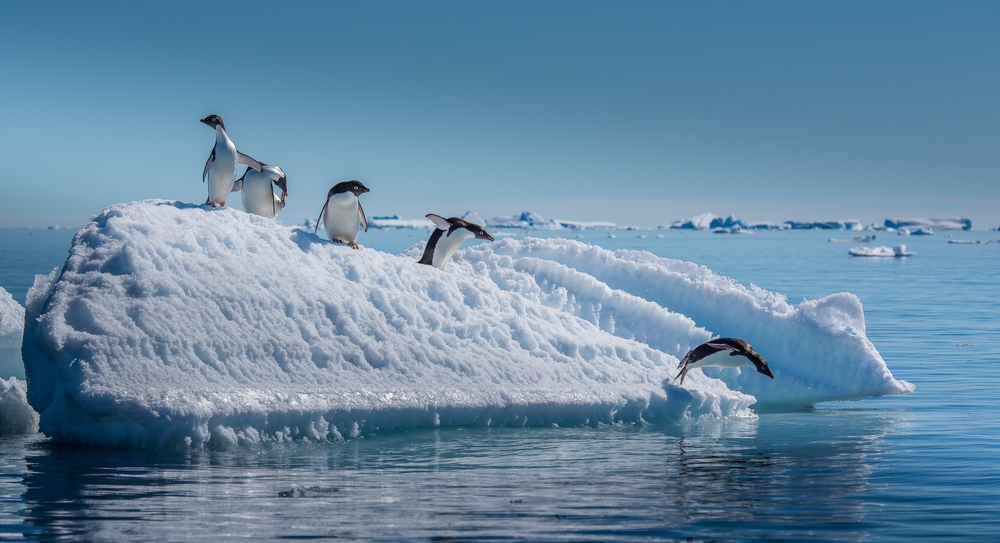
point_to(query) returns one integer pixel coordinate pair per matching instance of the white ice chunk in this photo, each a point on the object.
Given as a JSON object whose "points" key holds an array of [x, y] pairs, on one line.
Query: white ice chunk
{"points": [[11, 331], [898, 250], [16, 416], [818, 351], [172, 325]]}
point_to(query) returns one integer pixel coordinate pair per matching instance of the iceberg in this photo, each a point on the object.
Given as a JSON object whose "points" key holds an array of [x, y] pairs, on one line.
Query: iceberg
{"points": [[699, 222], [395, 222], [16, 416], [588, 225], [175, 326], [528, 219], [825, 225], [899, 250], [11, 331], [952, 223], [729, 222]]}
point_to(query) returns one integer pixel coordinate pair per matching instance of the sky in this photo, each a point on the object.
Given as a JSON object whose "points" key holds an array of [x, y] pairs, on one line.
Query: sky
{"points": [[638, 113]]}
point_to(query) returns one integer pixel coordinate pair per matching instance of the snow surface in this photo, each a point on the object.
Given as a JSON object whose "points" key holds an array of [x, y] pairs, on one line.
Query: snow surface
{"points": [[176, 326], [11, 331]]}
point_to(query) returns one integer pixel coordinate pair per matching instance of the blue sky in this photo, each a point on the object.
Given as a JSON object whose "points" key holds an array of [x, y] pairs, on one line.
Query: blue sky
{"points": [[637, 113]]}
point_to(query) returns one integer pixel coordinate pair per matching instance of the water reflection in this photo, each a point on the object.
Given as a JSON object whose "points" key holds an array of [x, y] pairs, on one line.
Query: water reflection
{"points": [[797, 475]]}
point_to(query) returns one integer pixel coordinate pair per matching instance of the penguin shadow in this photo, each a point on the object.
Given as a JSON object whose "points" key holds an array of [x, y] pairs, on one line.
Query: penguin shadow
{"points": [[307, 240]]}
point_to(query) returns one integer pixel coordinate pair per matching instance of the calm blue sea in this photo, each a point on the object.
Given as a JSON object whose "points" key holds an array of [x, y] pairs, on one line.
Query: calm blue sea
{"points": [[925, 466]]}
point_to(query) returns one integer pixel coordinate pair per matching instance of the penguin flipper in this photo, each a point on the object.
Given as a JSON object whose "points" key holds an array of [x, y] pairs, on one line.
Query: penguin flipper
{"points": [[321, 212], [364, 220], [238, 184], [439, 221], [208, 165], [249, 161]]}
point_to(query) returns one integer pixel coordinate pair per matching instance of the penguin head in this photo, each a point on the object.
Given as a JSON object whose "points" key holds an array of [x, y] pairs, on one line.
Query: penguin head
{"points": [[355, 187], [478, 231], [214, 121], [758, 361], [277, 177]]}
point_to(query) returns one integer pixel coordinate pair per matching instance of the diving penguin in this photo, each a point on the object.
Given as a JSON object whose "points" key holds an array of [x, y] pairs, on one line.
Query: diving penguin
{"points": [[439, 251], [220, 168], [342, 214], [258, 195], [725, 352]]}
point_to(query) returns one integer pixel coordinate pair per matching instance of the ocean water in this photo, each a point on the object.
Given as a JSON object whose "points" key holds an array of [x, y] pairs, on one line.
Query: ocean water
{"points": [[920, 466]]}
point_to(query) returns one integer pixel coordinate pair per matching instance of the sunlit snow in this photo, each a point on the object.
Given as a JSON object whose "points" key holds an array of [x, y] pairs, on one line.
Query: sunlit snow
{"points": [[173, 325]]}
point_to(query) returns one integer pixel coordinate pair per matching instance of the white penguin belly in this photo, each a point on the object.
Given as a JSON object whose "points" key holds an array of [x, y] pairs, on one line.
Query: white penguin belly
{"points": [[258, 197], [448, 245], [723, 359], [341, 219], [223, 173]]}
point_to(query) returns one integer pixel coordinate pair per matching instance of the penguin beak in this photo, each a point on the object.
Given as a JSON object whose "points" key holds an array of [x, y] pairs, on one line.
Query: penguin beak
{"points": [[205, 120], [767, 371], [486, 236], [282, 184]]}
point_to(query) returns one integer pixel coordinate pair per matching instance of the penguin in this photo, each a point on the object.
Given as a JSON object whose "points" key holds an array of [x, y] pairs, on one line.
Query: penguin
{"points": [[258, 191], [438, 251], [342, 214], [725, 352], [220, 168]]}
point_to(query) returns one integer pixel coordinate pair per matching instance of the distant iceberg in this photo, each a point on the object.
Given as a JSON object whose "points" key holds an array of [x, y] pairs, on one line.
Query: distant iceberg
{"points": [[698, 222], [915, 231], [729, 222], [528, 219], [176, 326], [899, 250], [825, 225], [953, 223], [585, 225], [706, 221], [395, 222]]}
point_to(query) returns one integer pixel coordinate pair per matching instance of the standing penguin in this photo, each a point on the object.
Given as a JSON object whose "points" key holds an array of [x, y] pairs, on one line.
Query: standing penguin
{"points": [[258, 191], [220, 169], [439, 251], [724, 352], [342, 214]]}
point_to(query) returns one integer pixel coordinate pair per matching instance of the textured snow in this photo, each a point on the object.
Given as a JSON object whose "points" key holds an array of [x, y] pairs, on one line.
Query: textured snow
{"points": [[176, 326], [11, 331]]}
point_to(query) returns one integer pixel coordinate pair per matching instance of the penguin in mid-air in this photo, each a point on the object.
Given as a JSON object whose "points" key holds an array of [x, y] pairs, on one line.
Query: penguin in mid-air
{"points": [[220, 169], [725, 352], [258, 191], [447, 238], [342, 214]]}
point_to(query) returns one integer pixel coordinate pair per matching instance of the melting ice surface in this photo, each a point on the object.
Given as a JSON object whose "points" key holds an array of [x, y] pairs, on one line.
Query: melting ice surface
{"points": [[172, 325]]}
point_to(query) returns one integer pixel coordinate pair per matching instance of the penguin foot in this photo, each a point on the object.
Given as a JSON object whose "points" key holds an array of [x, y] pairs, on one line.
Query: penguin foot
{"points": [[353, 245]]}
